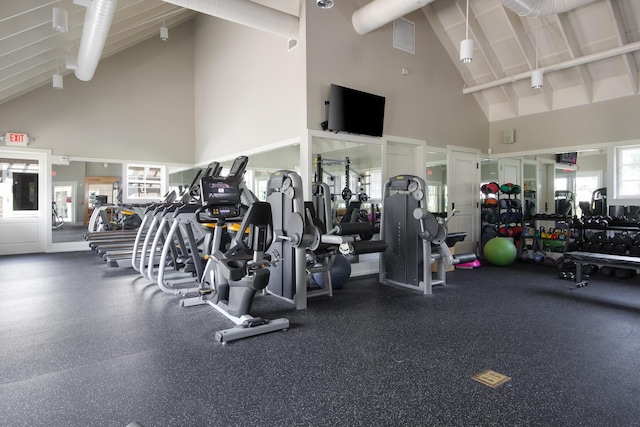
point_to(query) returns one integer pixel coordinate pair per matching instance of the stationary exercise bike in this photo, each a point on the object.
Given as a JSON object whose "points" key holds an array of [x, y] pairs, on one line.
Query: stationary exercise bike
{"points": [[233, 276]]}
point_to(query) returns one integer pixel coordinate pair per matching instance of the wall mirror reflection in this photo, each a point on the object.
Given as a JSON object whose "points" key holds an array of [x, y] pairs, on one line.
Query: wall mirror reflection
{"points": [[77, 188], [352, 172], [436, 181]]}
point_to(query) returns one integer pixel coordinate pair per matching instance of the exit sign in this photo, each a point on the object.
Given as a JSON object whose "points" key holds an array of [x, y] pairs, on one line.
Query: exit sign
{"points": [[16, 139]]}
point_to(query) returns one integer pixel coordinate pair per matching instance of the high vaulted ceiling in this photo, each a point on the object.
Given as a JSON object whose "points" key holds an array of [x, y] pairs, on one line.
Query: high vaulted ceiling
{"points": [[589, 54], [571, 44]]}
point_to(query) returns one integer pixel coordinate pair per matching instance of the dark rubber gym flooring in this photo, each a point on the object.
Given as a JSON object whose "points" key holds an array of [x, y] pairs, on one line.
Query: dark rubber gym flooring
{"points": [[83, 344]]}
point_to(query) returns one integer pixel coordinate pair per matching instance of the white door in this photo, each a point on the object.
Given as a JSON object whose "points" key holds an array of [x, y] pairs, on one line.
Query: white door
{"points": [[402, 159], [510, 171], [23, 202], [464, 195]]}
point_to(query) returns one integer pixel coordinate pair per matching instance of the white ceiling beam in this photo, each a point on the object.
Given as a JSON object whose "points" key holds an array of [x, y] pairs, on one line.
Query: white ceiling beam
{"points": [[609, 53], [512, 98], [629, 62], [547, 93], [482, 44], [441, 33], [520, 35], [574, 50]]}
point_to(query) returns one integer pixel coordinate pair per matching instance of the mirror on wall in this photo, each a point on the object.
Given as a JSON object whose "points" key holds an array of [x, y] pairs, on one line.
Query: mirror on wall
{"points": [[353, 173], [552, 187], [260, 167], [76, 189], [564, 191], [436, 181]]}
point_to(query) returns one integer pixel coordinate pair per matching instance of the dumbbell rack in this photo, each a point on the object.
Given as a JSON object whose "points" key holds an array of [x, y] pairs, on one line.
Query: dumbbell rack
{"points": [[539, 243], [607, 241]]}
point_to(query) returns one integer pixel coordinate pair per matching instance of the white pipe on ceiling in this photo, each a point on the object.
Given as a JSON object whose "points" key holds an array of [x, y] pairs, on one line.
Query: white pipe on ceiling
{"points": [[621, 50], [542, 7], [97, 20], [380, 12], [247, 13]]}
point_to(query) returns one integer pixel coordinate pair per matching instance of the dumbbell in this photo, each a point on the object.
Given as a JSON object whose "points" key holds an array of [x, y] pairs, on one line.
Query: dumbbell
{"points": [[607, 271], [625, 273], [635, 250], [589, 269]]}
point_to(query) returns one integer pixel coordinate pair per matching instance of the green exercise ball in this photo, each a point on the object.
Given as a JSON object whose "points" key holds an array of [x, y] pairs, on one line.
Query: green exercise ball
{"points": [[500, 251]]}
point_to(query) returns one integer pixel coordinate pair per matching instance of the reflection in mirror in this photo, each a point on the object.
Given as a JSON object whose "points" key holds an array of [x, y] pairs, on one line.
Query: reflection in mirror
{"points": [[591, 183], [262, 165], [76, 188], [436, 182], [259, 168], [353, 173], [564, 185], [488, 171]]}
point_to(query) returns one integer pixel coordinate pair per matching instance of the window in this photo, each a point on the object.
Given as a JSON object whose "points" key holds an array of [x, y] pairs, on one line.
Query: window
{"points": [[19, 180], [586, 183], [627, 172]]}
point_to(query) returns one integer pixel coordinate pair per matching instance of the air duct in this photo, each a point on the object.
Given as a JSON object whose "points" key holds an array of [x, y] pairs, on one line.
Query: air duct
{"points": [[380, 12], [247, 13], [97, 20], [542, 7]]}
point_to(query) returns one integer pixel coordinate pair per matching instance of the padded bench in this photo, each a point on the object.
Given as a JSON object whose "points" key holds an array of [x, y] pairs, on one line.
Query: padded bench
{"points": [[616, 261]]}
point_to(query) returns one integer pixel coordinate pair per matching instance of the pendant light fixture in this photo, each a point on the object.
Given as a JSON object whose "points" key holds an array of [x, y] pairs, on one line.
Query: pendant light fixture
{"points": [[537, 77], [57, 78], [466, 45], [164, 32], [60, 21]]}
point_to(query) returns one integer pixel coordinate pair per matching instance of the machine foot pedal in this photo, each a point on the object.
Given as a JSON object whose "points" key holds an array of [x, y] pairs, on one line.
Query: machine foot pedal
{"points": [[252, 323], [580, 284]]}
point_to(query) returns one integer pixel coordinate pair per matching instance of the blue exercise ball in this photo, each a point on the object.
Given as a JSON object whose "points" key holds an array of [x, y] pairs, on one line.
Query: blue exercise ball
{"points": [[500, 251], [340, 273]]}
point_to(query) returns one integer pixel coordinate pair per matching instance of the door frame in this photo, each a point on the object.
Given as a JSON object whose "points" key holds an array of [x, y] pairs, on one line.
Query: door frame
{"points": [[40, 225], [470, 244]]}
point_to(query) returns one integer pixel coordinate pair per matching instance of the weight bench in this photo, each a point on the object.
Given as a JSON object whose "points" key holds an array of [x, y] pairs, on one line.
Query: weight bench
{"points": [[616, 261]]}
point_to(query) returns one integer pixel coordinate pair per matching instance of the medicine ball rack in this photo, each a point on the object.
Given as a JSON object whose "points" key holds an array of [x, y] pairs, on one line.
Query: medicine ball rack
{"points": [[501, 213]]}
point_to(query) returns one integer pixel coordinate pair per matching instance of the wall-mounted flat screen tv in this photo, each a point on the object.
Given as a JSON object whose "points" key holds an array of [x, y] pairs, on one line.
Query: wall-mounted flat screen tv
{"points": [[354, 111], [570, 158]]}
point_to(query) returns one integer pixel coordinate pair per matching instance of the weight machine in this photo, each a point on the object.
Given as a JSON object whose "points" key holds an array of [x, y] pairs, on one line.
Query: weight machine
{"points": [[305, 244], [416, 240]]}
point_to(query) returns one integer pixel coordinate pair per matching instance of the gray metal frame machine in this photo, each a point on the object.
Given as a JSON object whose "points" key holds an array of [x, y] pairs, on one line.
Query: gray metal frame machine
{"points": [[232, 278], [415, 238]]}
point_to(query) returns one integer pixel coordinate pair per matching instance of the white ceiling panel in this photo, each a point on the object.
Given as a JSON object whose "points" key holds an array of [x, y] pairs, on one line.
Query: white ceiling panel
{"points": [[507, 41], [504, 47]]}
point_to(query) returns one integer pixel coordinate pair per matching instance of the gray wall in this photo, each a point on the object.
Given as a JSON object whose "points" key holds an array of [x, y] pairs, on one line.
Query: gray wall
{"points": [[599, 123], [427, 104], [139, 106], [250, 89]]}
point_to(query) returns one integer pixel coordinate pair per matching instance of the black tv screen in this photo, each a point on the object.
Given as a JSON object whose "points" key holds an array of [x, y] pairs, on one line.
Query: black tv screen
{"points": [[354, 111], [570, 158]]}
